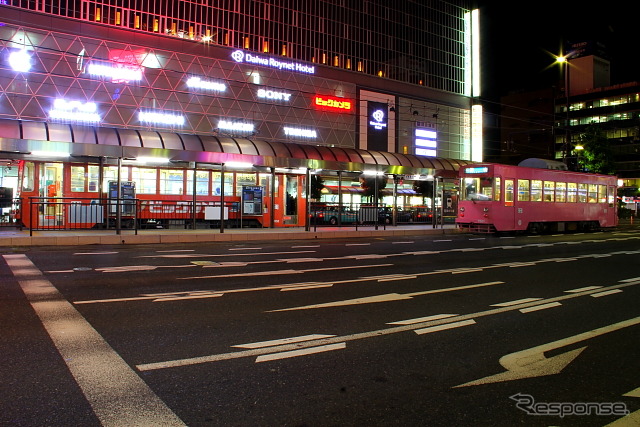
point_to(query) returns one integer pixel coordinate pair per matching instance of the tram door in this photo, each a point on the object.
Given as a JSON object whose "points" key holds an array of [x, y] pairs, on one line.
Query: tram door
{"points": [[290, 204], [509, 203], [51, 186]]}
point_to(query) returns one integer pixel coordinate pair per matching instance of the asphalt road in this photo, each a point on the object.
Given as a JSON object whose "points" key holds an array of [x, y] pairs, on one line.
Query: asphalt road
{"points": [[460, 330]]}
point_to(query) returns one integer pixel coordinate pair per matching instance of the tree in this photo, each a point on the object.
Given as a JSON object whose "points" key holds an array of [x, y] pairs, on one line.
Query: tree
{"points": [[368, 184], [317, 185], [423, 188], [597, 156]]}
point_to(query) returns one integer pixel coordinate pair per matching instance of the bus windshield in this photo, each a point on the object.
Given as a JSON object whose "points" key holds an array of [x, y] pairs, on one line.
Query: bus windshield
{"points": [[477, 188]]}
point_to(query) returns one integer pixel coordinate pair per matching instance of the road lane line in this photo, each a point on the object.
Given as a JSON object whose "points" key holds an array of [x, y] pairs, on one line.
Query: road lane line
{"points": [[302, 352], [444, 327], [606, 293], [117, 395], [515, 302], [586, 288], [540, 307], [278, 272], [283, 341], [176, 363], [422, 319]]}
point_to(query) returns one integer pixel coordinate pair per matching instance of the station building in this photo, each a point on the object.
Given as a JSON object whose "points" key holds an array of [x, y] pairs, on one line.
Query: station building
{"points": [[264, 95]]}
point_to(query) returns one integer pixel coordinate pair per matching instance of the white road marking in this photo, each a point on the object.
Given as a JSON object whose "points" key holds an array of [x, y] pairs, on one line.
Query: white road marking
{"points": [[177, 250], [358, 244], [586, 288], [402, 243], [604, 294], [222, 255], [115, 392], [294, 260], [283, 341], [515, 302], [356, 301], [95, 253], [245, 249], [540, 307], [444, 327], [422, 319], [304, 287], [279, 272], [532, 362], [345, 338], [301, 352]]}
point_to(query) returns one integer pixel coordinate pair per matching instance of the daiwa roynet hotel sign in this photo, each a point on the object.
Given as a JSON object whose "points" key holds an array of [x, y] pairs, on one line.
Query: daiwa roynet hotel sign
{"points": [[251, 58]]}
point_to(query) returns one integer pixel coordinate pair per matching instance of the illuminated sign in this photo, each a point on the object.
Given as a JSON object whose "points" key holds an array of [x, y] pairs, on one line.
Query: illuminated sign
{"points": [[305, 133], [161, 118], [333, 103], [251, 58], [478, 169], [20, 61], [118, 72], [198, 83], [74, 111], [426, 142], [235, 126], [378, 120], [270, 94]]}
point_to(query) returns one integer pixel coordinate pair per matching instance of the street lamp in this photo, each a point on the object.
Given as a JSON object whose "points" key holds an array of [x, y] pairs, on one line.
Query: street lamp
{"points": [[578, 149], [564, 62]]}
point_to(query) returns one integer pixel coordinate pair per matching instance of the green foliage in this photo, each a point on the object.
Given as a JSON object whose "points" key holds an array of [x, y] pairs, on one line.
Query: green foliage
{"points": [[317, 185], [368, 184], [597, 156]]}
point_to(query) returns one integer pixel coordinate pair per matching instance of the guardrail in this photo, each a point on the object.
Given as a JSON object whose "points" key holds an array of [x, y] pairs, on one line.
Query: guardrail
{"points": [[60, 213]]}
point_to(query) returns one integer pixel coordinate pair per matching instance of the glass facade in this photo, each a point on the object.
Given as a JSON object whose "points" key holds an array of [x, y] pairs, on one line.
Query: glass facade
{"points": [[411, 41]]}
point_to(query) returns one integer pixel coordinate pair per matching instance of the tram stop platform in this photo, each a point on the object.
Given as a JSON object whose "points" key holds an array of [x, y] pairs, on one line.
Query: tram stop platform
{"points": [[12, 237]]}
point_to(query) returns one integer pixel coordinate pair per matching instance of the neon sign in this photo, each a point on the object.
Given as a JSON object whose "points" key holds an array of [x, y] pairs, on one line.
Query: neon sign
{"points": [[378, 121], [305, 133], [333, 103], [118, 72], [250, 58], [74, 111], [235, 126], [270, 94], [20, 61], [426, 142], [161, 118], [198, 83]]}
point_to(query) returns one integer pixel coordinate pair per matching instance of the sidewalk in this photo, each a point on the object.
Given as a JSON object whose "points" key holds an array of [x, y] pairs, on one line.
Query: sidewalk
{"points": [[11, 237]]}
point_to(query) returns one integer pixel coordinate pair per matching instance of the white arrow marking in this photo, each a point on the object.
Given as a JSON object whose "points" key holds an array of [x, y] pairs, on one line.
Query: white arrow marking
{"points": [[532, 362], [301, 352]]}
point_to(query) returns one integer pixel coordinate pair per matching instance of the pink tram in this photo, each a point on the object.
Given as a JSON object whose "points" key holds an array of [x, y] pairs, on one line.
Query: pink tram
{"points": [[503, 198]]}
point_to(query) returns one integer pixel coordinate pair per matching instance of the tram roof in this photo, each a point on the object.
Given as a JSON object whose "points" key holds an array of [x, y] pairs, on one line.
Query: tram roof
{"points": [[21, 138]]}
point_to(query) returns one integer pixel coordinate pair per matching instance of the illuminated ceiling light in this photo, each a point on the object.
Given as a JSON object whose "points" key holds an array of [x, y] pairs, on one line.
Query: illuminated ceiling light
{"points": [[49, 154], [20, 61], [238, 165], [146, 160]]}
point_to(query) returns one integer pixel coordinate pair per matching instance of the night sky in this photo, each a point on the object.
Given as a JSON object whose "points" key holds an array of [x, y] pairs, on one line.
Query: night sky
{"points": [[520, 38]]}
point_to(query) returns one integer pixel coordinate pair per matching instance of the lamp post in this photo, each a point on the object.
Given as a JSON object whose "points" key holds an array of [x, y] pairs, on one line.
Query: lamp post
{"points": [[578, 149], [564, 62]]}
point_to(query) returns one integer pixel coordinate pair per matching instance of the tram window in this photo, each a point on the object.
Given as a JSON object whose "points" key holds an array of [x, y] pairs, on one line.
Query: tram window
{"points": [[216, 184], [592, 195], [171, 181], [582, 193], [110, 173], [496, 192], [94, 176], [202, 182], [548, 191], [28, 176], [78, 179], [145, 180], [536, 190], [602, 194], [572, 192], [508, 192], [478, 188], [561, 192], [523, 190], [244, 179]]}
